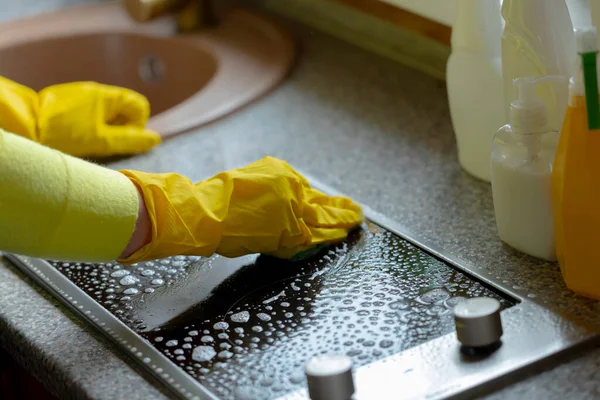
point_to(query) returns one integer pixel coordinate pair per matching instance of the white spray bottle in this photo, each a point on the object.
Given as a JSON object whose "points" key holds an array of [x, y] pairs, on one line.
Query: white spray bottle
{"points": [[474, 82], [521, 168], [538, 40]]}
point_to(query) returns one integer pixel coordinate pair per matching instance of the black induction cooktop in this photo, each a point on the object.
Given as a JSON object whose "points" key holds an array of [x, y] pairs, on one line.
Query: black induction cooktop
{"points": [[245, 327]]}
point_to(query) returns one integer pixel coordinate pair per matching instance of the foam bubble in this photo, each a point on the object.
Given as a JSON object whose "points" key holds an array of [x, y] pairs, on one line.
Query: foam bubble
{"points": [[263, 317], [207, 339], [241, 317], [203, 353], [225, 354], [221, 326]]}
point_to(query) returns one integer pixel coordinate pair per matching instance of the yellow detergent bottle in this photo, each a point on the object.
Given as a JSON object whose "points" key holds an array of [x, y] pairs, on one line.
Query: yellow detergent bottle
{"points": [[576, 176]]}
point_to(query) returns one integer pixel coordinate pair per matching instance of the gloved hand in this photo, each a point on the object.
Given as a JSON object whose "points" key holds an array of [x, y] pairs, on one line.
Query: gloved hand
{"points": [[265, 207], [83, 119]]}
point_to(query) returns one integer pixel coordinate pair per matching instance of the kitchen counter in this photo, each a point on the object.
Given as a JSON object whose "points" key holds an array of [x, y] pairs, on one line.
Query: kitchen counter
{"points": [[375, 130]]}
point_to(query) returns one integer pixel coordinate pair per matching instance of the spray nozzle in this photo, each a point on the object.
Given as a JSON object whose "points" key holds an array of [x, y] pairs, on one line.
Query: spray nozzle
{"points": [[528, 113], [586, 39], [585, 81]]}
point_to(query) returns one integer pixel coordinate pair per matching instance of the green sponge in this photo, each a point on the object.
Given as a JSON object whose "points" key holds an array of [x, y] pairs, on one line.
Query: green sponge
{"points": [[303, 255]]}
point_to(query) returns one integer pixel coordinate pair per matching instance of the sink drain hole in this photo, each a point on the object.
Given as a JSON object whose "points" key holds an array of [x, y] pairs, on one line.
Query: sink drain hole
{"points": [[151, 69]]}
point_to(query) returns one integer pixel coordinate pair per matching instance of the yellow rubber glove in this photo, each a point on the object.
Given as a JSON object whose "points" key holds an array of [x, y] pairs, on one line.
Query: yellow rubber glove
{"points": [[18, 109], [265, 207], [84, 119]]}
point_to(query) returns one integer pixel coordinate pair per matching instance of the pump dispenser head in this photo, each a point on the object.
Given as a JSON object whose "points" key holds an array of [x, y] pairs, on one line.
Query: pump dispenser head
{"points": [[528, 114]]}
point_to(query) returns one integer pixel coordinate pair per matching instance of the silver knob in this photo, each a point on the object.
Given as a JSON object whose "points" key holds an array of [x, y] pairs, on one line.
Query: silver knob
{"points": [[329, 377], [478, 322]]}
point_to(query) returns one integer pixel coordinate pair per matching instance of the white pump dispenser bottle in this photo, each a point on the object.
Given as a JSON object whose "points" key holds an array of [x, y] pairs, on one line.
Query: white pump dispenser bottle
{"points": [[521, 169]]}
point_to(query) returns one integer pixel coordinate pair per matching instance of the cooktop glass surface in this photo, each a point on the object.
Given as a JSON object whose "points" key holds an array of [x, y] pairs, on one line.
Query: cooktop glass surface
{"points": [[245, 327]]}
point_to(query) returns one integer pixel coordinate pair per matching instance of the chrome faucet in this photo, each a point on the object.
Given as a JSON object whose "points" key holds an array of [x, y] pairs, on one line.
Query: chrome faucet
{"points": [[191, 14]]}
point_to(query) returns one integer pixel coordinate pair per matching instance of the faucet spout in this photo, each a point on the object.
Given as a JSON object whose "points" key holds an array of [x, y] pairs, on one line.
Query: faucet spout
{"points": [[191, 14]]}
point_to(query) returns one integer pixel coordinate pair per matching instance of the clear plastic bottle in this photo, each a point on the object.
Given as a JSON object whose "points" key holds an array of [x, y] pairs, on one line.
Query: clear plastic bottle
{"points": [[538, 40], [521, 170]]}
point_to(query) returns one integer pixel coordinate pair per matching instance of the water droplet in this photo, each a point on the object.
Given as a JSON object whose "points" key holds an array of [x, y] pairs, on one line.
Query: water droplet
{"points": [[131, 291], [266, 382], [157, 282], [193, 333], [257, 328], [119, 273], [241, 317], [128, 280], [399, 305], [149, 290], [158, 339], [384, 344], [171, 343], [239, 329], [353, 353], [453, 301], [434, 296], [437, 310], [248, 393], [147, 272]]}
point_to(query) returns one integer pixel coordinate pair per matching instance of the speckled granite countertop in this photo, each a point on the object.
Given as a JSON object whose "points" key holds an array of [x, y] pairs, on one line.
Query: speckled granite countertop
{"points": [[375, 130]]}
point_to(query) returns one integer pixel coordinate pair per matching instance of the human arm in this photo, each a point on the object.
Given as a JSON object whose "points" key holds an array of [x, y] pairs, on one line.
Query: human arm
{"points": [[59, 207]]}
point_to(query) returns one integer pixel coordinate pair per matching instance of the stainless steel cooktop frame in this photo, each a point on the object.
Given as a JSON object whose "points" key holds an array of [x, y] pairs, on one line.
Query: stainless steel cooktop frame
{"points": [[435, 369]]}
